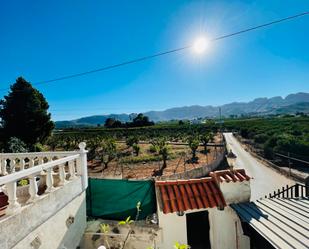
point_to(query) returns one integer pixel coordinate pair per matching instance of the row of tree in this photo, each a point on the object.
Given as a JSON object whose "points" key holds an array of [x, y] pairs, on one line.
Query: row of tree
{"points": [[106, 149], [139, 121]]}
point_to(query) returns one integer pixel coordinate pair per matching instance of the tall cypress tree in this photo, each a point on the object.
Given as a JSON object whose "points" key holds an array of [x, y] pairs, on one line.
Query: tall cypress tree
{"points": [[24, 114]]}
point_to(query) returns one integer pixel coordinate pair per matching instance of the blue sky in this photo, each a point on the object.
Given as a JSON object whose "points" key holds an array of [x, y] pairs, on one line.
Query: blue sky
{"points": [[41, 40]]}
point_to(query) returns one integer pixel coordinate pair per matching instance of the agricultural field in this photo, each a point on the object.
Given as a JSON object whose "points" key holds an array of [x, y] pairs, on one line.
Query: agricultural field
{"points": [[142, 152], [267, 135], [148, 161]]}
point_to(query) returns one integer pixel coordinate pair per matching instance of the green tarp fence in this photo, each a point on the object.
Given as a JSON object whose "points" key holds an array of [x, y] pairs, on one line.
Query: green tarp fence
{"points": [[117, 199]]}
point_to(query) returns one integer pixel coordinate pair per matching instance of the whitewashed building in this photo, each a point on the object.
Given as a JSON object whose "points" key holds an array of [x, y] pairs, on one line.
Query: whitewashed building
{"points": [[197, 211]]}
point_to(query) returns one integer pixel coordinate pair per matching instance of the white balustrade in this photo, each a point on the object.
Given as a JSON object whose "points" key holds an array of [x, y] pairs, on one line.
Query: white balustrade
{"points": [[40, 164], [33, 189], [62, 174], [3, 167]]}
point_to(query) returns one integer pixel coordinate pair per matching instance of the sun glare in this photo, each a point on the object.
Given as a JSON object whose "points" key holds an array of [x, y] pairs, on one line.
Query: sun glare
{"points": [[200, 45]]}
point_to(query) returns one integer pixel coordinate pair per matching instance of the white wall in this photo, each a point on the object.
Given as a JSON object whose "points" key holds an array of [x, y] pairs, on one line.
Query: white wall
{"points": [[174, 228], [226, 231], [54, 233], [235, 192], [44, 221]]}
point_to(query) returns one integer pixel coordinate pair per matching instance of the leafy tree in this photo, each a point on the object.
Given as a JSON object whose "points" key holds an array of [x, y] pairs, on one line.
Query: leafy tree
{"points": [[193, 142], [180, 122], [107, 151], [162, 149], [92, 145], [24, 115], [131, 140], [112, 123], [15, 145], [205, 138], [136, 149], [140, 120]]}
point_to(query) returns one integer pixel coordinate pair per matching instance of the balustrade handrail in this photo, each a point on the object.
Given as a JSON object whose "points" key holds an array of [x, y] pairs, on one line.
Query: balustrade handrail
{"points": [[36, 169], [40, 154]]}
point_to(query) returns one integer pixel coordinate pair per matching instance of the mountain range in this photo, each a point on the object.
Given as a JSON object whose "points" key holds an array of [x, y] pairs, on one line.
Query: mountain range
{"points": [[292, 103]]}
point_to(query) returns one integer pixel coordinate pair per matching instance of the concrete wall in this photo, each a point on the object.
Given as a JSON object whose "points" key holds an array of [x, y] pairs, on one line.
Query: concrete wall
{"points": [[226, 231], [235, 192], [56, 220]]}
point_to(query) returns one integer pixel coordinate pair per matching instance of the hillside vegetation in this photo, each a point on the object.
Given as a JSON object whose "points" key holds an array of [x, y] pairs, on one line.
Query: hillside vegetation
{"points": [[275, 135]]}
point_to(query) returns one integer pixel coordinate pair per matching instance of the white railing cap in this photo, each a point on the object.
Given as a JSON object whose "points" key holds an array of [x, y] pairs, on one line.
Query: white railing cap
{"points": [[39, 154], [36, 169]]}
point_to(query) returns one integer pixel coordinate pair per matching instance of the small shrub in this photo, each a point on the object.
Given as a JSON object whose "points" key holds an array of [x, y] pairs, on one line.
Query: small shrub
{"points": [[15, 145]]}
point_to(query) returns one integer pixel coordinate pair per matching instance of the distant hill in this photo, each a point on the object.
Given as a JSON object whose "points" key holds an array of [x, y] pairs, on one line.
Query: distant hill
{"points": [[298, 102], [91, 120]]}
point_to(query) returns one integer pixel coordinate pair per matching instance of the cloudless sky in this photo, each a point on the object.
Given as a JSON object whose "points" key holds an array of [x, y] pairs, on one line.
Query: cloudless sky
{"points": [[41, 40]]}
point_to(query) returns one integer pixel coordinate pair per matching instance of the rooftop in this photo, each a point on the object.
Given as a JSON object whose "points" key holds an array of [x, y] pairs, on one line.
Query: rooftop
{"points": [[283, 222], [236, 175], [182, 195]]}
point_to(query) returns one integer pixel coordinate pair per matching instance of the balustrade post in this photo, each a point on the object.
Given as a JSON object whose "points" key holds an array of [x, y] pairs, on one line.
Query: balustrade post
{"points": [[22, 163], [62, 174], [3, 166], [71, 170], [41, 160], [12, 165], [33, 189], [13, 207], [31, 162], [49, 180], [82, 165]]}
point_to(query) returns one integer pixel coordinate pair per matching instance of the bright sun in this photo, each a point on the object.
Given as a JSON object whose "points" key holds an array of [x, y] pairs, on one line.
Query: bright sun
{"points": [[200, 45]]}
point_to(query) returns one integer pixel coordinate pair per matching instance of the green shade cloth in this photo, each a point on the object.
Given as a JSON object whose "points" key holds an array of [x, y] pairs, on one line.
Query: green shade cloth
{"points": [[117, 199]]}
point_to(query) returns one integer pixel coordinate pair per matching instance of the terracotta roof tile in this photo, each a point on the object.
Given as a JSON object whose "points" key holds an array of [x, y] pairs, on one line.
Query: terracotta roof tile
{"points": [[184, 195], [236, 175]]}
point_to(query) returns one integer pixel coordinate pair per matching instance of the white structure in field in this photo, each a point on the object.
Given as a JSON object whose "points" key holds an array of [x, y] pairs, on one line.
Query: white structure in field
{"points": [[57, 217], [197, 211]]}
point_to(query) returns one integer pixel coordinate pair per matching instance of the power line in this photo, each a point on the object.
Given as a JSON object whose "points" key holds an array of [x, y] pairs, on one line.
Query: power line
{"points": [[162, 53]]}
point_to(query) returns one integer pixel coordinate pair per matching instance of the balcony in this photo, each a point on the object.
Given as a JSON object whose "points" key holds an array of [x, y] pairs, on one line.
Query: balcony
{"points": [[46, 199]]}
